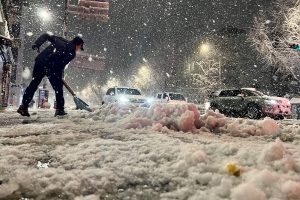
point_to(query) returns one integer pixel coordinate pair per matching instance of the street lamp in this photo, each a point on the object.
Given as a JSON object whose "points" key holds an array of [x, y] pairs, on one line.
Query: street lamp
{"points": [[44, 14], [204, 48], [220, 72], [144, 70], [47, 16]]}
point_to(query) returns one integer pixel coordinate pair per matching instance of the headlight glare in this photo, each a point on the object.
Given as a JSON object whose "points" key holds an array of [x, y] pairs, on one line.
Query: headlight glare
{"points": [[149, 100], [123, 99]]}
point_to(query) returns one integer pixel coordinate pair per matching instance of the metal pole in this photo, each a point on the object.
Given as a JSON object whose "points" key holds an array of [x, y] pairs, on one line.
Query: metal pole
{"points": [[220, 73], [65, 19]]}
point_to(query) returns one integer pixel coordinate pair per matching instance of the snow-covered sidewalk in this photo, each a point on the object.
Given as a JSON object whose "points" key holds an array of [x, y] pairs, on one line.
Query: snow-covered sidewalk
{"points": [[162, 152]]}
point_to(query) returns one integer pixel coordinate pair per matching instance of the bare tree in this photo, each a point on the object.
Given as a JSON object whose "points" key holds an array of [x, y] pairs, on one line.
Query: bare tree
{"points": [[273, 37], [207, 76]]}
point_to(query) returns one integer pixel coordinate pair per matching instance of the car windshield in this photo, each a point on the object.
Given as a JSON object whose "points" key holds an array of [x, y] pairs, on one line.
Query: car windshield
{"points": [[129, 91], [177, 97]]}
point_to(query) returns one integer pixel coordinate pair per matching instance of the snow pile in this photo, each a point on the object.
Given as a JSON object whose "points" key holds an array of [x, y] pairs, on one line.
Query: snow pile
{"points": [[264, 180], [115, 153], [182, 117], [245, 127]]}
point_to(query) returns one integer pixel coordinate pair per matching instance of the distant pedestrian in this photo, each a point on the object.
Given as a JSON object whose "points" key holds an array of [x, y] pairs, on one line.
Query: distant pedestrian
{"points": [[51, 62]]}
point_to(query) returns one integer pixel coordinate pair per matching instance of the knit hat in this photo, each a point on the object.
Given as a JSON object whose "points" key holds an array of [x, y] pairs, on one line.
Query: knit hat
{"points": [[78, 41]]}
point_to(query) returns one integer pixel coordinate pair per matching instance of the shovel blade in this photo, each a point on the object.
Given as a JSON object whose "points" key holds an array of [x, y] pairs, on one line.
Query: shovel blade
{"points": [[81, 104]]}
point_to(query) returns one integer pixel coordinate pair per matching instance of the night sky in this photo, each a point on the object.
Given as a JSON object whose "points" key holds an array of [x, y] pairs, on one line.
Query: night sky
{"points": [[140, 29]]}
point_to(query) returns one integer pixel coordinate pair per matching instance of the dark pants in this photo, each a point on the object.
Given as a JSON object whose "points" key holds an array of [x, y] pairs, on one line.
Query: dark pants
{"points": [[55, 77]]}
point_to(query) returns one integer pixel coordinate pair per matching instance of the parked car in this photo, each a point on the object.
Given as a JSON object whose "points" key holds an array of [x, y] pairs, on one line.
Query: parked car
{"points": [[248, 102], [170, 97], [125, 95]]}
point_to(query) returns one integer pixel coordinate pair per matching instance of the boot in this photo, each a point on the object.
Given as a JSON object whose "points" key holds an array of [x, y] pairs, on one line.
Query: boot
{"points": [[23, 110], [60, 112]]}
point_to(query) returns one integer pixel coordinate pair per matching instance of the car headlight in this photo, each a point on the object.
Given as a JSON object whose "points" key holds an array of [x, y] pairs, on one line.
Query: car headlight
{"points": [[123, 99], [149, 100]]}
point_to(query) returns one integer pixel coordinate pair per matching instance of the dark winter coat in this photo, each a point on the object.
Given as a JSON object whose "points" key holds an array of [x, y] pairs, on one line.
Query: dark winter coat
{"points": [[58, 54]]}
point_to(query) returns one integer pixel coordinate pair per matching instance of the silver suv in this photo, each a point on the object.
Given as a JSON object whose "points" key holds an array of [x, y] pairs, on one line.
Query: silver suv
{"points": [[248, 102], [125, 95]]}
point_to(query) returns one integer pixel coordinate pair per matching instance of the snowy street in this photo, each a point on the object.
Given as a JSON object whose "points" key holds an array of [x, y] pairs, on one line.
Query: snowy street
{"points": [[162, 152], [174, 60]]}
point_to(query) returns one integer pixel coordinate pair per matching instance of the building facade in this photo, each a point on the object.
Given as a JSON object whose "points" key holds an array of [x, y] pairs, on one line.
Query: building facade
{"points": [[11, 87]]}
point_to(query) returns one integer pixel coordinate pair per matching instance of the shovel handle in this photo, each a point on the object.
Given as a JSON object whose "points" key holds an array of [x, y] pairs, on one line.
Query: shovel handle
{"points": [[68, 87]]}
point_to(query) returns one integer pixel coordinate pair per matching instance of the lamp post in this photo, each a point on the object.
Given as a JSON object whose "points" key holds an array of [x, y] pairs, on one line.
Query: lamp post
{"points": [[43, 14], [206, 49], [46, 16], [65, 19], [92, 10], [220, 72]]}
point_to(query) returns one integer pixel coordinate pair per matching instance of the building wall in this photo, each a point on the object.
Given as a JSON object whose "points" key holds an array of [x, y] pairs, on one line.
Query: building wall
{"points": [[7, 62]]}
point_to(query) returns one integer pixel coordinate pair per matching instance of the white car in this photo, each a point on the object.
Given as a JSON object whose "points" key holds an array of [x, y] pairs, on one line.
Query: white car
{"points": [[125, 95], [170, 97]]}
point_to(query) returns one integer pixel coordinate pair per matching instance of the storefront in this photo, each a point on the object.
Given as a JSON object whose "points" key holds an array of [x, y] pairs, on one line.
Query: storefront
{"points": [[6, 61], [10, 87]]}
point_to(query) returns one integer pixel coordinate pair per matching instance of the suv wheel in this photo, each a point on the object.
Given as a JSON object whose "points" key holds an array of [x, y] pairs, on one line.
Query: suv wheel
{"points": [[253, 112], [213, 107], [278, 117]]}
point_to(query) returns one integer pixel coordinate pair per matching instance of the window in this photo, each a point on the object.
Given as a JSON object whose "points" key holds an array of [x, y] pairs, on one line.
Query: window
{"points": [[248, 93], [111, 91], [132, 92], [223, 93], [177, 97], [159, 96], [129, 91], [229, 93], [234, 93]]}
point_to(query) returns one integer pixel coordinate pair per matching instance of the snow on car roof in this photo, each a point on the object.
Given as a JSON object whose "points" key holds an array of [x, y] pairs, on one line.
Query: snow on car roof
{"points": [[253, 89], [172, 92], [125, 87]]}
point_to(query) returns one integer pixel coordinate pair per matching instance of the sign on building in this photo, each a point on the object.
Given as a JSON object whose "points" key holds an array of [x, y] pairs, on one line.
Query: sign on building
{"points": [[93, 10], [83, 60]]}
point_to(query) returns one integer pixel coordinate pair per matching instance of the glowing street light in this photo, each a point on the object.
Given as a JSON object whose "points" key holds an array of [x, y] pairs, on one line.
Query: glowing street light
{"points": [[143, 69], [44, 14], [204, 47]]}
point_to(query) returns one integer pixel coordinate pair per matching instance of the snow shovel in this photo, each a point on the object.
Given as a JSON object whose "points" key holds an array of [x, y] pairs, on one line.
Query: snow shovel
{"points": [[79, 103]]}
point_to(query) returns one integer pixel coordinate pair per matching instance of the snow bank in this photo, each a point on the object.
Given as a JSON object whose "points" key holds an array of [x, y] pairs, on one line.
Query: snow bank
{"points": [[182, 117]]}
